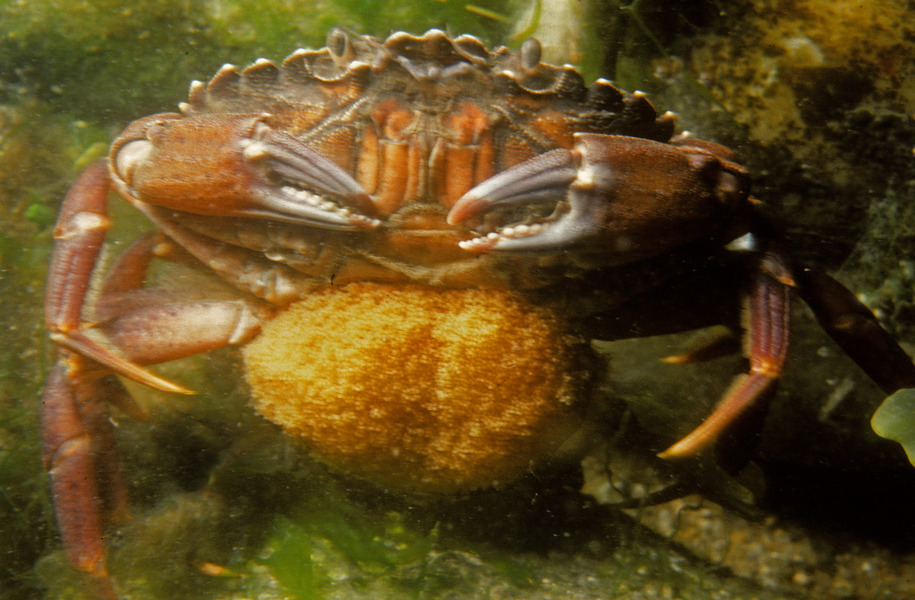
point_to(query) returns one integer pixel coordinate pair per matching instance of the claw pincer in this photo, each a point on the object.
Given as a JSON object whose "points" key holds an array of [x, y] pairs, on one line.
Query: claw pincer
{"points": [[606, 202]]}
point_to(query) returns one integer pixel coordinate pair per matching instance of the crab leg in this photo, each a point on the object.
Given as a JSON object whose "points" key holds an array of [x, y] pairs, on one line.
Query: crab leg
{"points": [[78, 239], [67, 423], [77, 448], [77, 438], [767, 347], [153, 325], [855, 329], [145, 326], [160, 333]]}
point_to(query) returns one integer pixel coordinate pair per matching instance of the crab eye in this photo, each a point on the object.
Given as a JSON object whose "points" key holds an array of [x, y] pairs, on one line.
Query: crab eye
{"points": [[530, 54], [129, 156], [340, 47]]}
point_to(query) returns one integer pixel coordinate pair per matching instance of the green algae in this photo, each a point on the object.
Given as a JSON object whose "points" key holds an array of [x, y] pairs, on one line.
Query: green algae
{"points": [[25, 512], [895, 420], [111, 60]]}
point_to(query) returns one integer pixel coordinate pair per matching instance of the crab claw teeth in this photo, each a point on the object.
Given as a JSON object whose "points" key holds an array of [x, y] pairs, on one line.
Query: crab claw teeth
{"points": [[312, 189], [543, 177], [297, 205]]}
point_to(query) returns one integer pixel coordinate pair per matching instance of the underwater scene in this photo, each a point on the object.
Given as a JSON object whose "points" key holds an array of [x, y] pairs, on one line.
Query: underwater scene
{"points": [[347, 299]]}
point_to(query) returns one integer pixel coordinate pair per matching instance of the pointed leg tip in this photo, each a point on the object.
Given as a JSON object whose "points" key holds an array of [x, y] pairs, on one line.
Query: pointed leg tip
{"points": [[681, 450], [676, 359]]}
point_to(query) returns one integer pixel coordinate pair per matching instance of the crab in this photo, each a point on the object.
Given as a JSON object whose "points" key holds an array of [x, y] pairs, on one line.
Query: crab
{"points": [[424, 163]]}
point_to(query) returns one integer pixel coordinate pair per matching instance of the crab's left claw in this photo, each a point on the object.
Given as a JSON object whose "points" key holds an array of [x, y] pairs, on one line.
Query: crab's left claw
{"points": [[617, 197]]}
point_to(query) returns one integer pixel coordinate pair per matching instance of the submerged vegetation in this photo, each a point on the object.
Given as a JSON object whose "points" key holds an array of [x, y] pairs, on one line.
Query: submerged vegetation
{"points": [[894, 420]]}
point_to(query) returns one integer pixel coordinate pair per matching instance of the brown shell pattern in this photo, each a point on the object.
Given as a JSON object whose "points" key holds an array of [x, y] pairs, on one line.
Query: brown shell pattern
{"points": [[360, 93]]}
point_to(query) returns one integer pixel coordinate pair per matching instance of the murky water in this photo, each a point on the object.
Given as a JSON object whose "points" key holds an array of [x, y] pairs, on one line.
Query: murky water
{"points": [[817, 98]]}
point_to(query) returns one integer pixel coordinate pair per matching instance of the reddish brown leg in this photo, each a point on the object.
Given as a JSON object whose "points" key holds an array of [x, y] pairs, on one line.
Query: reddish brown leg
{"points": [[66, 439], [77, 438], [67, 454], [854, 327], [767, 347], [78, 238], [125, 278]]}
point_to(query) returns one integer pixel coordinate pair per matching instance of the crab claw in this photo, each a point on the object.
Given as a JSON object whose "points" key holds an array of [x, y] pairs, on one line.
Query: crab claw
{"points": [[619, 197], [311, 187], [235, 165], [545, 178]]}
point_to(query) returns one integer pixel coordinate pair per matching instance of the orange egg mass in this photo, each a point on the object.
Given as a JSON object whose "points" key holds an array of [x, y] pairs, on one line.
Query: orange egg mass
{"points": [[418, 389]]}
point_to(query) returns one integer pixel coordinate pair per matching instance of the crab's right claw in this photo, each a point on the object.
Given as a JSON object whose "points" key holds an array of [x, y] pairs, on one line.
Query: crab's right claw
{"points": [[235, 165]]}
